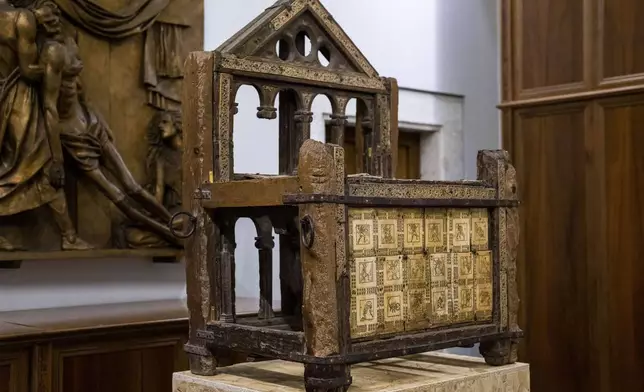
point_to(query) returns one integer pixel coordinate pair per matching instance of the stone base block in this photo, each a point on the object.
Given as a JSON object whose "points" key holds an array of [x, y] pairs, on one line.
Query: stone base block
{"points": [[432, 372]]}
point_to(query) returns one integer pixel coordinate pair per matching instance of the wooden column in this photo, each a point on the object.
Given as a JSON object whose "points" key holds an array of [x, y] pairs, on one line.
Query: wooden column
{"points": [[197, 170], [224, 164], [225, 262], [324, 265], [303, 119], [495, 170], [338, 123], [265, 242], [364, 135], [573, 108]]}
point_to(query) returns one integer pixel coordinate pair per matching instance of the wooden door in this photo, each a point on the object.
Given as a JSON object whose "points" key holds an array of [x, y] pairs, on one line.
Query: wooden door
{"points": [[408, 166], [573, 109]]}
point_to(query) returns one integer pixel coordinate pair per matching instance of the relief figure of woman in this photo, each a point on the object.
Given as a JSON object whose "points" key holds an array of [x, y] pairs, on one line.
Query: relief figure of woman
{"points": [[163, 168]]}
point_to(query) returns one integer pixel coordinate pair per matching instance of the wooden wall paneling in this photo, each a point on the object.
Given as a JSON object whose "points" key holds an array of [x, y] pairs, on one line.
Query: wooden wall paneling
{"points": [[549, 49], [589, 260], [71, 348], [620, 42], [507, 51], [6, 380], [596, 249], [41, 370], [127, 365], [550, 157], [507, 133], [621, 120], [14, 371]]}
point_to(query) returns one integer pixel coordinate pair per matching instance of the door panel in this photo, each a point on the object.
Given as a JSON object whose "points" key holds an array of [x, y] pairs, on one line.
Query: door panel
{"points": [[408, 153]]}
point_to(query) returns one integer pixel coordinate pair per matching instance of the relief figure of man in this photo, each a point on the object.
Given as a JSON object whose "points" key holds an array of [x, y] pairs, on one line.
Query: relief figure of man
{"points": [[86, 137], [31, 166]]}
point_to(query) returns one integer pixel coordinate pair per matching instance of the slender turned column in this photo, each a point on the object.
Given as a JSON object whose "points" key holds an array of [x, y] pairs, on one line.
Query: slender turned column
{"points": [[367, 137], [303, 120], [226, 255], [265, 242], [226, 262], [290, 270], [338, 123]]}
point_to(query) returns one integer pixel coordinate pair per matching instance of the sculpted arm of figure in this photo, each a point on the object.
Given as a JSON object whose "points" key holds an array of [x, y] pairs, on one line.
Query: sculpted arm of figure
{"points": [[26, 29], [86, 102], [159, 186], [53, 57]]}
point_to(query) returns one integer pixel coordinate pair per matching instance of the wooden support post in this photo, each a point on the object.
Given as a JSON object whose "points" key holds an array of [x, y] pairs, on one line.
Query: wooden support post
{"points": [[495, 169], [385, 142], [303, 120], [197, 170], [324, 265], [391, 151], [338, 123], [224, 113]]}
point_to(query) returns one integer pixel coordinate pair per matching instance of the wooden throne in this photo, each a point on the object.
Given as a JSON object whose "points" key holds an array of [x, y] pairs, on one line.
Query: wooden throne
{"points": [[370, 266]]}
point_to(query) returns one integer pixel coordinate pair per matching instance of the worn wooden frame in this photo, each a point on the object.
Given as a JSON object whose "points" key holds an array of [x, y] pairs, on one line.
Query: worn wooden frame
{"points": [[308, 203]]}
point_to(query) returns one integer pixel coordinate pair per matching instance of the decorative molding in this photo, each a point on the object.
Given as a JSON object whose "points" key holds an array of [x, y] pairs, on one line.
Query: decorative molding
{"points": [[262, 67]]}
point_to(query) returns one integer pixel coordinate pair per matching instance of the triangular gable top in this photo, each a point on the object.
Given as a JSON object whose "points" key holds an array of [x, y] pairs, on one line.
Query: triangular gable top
{"points": [[265, 27]]}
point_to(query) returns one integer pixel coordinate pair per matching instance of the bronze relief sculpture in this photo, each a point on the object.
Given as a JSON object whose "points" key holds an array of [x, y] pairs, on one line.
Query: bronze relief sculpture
{"points": [[164, 137], [31, 172], [53, 139], [371, 266]]}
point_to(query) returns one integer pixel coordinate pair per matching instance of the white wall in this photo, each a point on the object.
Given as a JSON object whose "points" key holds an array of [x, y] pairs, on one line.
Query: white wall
{"points": [[45, 284], [467, 62], [440, 45]]}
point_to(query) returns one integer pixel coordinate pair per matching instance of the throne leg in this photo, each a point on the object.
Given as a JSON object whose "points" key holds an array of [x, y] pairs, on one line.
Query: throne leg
{"points": [[202, 365], [203, 362], [499, 352], [327, 378]]}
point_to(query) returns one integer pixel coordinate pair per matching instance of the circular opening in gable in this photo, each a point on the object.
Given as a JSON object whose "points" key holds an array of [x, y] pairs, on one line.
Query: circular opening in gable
{"points": [[324, 56], [281, 49], [303, 43]]}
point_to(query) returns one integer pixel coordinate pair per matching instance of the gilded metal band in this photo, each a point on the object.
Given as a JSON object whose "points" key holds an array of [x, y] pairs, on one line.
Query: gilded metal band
{"points": [[264, 68], [422, 191], [397, 202]]}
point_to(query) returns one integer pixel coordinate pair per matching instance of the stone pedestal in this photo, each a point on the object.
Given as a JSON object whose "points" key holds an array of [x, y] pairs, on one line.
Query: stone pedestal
{"points": [[432, 372]]}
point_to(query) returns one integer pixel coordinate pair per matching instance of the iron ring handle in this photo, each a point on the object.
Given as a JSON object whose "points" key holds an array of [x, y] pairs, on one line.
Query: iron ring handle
{"points": [[191, 219], [307, 231]]}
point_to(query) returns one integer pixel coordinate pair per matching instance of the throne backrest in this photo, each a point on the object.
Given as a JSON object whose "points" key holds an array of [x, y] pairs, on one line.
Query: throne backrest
{"points": [[271, 54]]}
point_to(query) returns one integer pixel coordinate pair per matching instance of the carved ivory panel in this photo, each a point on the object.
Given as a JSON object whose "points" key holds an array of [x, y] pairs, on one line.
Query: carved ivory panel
{"points": [[414, 269]]}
